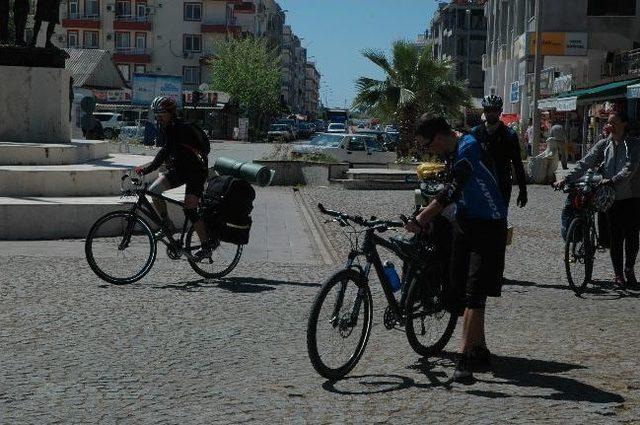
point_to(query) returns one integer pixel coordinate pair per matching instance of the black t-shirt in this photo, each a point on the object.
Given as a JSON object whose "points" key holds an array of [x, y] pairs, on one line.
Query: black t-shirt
{"points": [[180, 149]]}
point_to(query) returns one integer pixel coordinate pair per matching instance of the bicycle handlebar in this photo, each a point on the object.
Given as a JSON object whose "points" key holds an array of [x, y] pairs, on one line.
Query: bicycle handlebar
{"points": [[344, 218]]}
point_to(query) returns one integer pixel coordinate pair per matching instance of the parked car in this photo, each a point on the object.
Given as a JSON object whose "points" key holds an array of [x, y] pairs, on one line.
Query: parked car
{"points": [[351, 148], [292, 124], [390, 129], [321, 126], [306, 130], [388, 140], [280, 132], [111, 123], [336, 127]]}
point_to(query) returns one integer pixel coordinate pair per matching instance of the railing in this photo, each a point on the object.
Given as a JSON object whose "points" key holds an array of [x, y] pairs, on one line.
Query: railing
{"points": [[132, 51], [132, 18], [622, 63], [84, 16]]}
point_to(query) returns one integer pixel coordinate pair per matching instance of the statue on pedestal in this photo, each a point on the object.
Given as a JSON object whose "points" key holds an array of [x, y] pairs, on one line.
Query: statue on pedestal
{"points": [[46, 10], [20, 13]]}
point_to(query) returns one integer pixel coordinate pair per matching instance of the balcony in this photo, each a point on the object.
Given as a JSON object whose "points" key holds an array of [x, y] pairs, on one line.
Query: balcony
{"points": [[132, 55], [220, 28], [79, 20], [132, 23], [245, 7], [622, 64]]}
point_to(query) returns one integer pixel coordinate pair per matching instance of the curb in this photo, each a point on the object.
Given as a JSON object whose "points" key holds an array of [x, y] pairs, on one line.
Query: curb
{"points": [[327, 252]]}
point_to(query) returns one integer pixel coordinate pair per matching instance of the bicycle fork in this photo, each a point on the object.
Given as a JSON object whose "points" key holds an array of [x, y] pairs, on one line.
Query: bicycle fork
{"points": [[353, 317]]}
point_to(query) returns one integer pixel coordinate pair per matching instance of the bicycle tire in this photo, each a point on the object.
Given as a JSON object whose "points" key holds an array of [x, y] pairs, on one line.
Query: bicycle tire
{"points": [[415, 294], [197, 267], [95, 232], [578, 285], [345, 276]]}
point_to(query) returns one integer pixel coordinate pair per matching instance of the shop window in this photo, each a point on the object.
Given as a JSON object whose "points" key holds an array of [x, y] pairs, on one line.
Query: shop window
{"points": [[611, 8]]}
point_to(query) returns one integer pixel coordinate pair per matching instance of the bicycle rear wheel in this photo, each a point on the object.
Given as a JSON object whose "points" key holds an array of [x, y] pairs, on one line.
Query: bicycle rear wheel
{"points": [[120, 248], [579, 255], [428, 326], [339, 324], [223, 259]]}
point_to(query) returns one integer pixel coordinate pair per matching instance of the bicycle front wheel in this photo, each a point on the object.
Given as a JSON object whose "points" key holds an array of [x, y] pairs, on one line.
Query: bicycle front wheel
{"points": [[120, 248], [339, 324], [429, 326], [579, 252], [223, 259]]}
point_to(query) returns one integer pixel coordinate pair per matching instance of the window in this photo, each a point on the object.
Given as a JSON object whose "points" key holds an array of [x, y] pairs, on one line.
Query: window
{"points": [[192, 43], [74, 9], [374, 146], [123, 40], [611, 8], [123, 8], [193, 11], [191, 75], [141, 41], [92, 8], [125, 70], [90, 39], [141, 8], [356, 144], [140, 69], [72, 39]]}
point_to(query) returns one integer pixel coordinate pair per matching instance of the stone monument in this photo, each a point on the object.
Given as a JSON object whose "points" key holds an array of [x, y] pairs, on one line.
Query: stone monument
{"points": [[49, 11]]}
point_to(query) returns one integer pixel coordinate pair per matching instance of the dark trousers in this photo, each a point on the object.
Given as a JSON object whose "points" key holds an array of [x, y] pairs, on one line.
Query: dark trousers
{"points": [[624, 222]]}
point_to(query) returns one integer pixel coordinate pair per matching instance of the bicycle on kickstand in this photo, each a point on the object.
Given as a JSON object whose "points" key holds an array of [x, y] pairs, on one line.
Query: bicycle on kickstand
{"points": [[582, 239], [121, 246], [344, 307]]}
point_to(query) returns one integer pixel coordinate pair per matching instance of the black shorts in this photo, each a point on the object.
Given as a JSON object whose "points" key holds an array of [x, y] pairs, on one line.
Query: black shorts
{"points": [[195, 179], [477, 261]]}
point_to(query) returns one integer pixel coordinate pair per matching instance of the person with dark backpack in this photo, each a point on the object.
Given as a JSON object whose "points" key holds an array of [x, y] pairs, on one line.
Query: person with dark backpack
{"points": [[503, 148], [184, 151]]}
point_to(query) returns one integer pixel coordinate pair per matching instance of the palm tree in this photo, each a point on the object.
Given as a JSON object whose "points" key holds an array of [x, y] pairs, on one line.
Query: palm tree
{"points": [[415, 83]]}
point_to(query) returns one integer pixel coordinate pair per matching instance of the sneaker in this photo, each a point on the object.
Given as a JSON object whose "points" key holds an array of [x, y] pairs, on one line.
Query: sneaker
{"points": [[481, 359], [630, 276], [202, 254], [619, 281], [463, 373]]}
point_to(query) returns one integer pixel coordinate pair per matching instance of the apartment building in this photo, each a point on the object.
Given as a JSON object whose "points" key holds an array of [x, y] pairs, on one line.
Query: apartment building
{"points": [[585, 43], [294, 60], [312, 89], [165, 36], [458, 33]]}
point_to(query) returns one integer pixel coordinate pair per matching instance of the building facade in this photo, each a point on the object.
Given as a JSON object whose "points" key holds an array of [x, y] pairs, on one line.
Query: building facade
{"points": [[458, 33], [312, 90], [586, 43]]}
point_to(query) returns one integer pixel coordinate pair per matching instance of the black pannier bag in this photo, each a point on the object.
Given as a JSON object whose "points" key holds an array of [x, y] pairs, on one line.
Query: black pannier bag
{"points": [[227, 203]]}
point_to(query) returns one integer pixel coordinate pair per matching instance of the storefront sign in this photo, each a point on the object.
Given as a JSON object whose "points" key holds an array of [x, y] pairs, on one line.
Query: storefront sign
{"points": [[562, 84], [633, 92], [147, 87], [515, 92], [559, 43], [115, 96], [208, 97]]}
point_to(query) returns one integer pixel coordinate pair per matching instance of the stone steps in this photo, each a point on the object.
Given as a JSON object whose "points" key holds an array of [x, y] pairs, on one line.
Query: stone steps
{"points": [[76, 152], [95, 178]]}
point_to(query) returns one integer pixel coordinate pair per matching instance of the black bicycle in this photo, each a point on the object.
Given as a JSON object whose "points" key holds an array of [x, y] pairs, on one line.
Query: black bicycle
{"points": [[121, 246], [582, 240], [344, 308]]}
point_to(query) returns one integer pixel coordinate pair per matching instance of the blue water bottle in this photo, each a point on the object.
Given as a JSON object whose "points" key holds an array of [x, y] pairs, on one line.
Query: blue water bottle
{"points": [[392, 275]]}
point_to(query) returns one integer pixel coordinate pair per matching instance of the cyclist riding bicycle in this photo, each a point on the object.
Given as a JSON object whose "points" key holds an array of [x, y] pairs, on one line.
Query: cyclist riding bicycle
{"points": [[183, 153], [504, 148], [480, 234]]}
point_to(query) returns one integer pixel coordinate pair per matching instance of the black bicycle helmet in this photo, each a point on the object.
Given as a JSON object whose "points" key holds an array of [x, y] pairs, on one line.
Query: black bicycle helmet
{"points": [[164, 104], [492, 102]]}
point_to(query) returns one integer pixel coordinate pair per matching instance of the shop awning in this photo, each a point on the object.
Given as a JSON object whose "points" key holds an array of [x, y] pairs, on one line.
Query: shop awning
{"points": [[633, 92], [569, 101]]}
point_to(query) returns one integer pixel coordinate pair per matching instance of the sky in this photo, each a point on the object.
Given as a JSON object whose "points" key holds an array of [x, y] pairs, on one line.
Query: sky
{"points": [[336, 31]]}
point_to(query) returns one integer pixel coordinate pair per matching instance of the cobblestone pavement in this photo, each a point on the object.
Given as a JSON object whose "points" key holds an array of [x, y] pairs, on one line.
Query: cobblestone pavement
{"points": [[176, 349]]}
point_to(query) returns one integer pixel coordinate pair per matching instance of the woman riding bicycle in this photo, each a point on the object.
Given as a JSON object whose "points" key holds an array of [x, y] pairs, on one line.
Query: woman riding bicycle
{"points": [[617, 157], [186, 162]]}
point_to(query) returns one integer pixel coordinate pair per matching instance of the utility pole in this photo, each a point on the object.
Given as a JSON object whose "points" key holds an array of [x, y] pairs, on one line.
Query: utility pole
{"points": [[536, 79]]}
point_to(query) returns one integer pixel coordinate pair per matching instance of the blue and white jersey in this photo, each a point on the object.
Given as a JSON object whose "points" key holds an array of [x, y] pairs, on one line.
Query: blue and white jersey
{"points": [[474, 187]]}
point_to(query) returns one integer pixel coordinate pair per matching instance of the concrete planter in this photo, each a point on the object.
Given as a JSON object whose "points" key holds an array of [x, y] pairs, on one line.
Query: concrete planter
{"points": [[404, 167], [292, 173]]}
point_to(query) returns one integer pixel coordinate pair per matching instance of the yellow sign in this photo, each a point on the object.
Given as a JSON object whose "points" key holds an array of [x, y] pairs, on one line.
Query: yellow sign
{"points": [[559, 43]]}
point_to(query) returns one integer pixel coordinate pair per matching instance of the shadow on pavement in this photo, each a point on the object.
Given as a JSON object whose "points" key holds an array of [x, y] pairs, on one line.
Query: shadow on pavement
{"points": [[599, 289], [513, 371], [244, 285]]}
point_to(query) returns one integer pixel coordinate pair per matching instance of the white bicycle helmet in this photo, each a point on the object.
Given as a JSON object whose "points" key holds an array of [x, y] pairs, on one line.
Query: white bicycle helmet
{"points": [[603, 198]]}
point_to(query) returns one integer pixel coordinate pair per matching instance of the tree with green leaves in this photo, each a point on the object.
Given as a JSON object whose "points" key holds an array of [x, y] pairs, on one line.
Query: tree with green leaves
{"points": [[250, 72], [415, 83]]}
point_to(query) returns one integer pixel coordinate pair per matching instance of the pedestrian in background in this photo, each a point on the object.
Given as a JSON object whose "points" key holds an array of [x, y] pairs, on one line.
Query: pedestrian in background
{"points": [[559, 136]]}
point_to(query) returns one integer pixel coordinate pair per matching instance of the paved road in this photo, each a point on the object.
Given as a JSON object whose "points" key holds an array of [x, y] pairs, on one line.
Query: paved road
{"points": [[176, 349]]}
